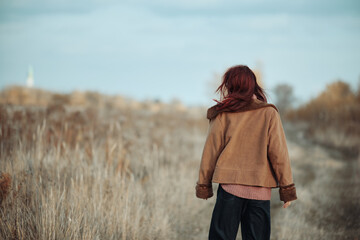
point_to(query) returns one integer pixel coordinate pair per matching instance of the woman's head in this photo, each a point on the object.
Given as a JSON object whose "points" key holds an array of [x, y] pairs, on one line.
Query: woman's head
{"points": [[238, 86]]}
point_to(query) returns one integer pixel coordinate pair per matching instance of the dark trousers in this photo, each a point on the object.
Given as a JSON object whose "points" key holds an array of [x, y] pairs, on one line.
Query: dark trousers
{"points": [[230, 211]]}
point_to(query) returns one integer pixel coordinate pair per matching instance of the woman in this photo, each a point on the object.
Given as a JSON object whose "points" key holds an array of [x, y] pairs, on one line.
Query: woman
{"points": [[246, 153]]}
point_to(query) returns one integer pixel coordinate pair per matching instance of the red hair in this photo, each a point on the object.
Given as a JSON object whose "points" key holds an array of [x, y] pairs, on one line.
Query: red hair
{"points": [[237, 88]]}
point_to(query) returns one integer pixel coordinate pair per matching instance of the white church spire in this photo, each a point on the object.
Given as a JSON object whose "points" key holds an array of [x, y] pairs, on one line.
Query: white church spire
{"points": [[30, 77]]}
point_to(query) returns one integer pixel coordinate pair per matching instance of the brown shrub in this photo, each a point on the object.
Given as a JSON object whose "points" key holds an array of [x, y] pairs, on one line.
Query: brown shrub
{"points": [[336, 111], [5, 185]]}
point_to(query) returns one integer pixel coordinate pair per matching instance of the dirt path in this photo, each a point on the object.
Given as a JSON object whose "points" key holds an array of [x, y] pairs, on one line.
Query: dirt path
{"points": [[328, 186]]}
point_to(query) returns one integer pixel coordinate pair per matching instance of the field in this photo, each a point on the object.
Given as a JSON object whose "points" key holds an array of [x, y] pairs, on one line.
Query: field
{"points": [[128, 171]]}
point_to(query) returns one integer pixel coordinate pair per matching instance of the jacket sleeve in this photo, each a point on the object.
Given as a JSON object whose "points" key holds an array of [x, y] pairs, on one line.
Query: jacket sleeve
{"points": [[279, 158], [214, 144]]}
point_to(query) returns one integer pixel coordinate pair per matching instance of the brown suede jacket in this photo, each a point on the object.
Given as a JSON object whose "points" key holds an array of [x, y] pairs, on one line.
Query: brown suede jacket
{"points": [[246, 147]]}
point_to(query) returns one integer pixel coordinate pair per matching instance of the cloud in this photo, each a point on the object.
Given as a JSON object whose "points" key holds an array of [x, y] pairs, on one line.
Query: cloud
{"points": [[212, 8], [224, 8], [18, 10]]}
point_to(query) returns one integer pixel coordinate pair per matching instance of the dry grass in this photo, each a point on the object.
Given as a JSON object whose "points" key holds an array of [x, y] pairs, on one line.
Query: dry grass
{"points": [[94, 173], [112, 171]]}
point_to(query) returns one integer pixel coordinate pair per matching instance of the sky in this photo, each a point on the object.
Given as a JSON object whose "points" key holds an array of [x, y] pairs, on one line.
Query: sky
{"points": [[169, 50]]}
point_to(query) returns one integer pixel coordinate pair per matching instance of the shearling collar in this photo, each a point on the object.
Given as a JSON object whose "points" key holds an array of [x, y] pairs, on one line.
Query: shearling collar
{"points": [[254, 104]]}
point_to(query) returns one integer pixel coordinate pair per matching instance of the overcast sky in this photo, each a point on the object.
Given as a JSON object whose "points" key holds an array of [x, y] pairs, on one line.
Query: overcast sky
{"points": [[171, 49]]}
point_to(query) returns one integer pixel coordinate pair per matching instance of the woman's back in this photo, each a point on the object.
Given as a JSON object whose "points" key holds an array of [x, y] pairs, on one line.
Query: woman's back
{"points": [[244, 145]]}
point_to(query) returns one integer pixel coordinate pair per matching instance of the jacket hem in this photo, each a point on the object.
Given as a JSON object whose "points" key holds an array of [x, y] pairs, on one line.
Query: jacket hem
{"points": [[231, 176]]}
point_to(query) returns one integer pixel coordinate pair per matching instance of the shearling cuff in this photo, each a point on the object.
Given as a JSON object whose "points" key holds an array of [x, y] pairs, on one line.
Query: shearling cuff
{"points": [[288, 193], [204, 191]]}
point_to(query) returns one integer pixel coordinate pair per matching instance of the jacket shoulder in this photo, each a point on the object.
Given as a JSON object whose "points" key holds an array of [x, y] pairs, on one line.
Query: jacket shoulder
{"points": [[271, 109], [267, 109]]}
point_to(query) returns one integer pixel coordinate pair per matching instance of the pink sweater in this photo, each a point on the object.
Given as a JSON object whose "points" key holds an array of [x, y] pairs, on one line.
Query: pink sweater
{"points": [[250, 192]]}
